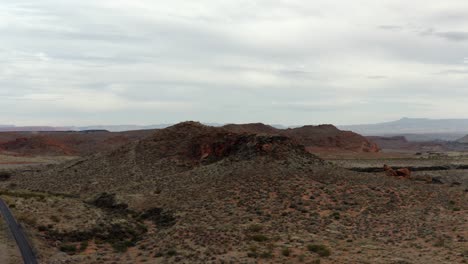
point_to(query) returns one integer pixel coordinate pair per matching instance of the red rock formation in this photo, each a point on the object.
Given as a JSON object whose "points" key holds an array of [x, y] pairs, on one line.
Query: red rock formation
{"points": [[36, 145], [314, 138], [403, 172]]}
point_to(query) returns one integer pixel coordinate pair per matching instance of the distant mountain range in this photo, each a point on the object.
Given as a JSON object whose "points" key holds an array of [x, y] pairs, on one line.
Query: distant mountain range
{"points": [[415, 129], [111, 128]]}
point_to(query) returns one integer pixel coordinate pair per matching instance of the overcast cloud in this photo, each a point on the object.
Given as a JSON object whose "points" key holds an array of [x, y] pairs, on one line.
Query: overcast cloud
{"points": [[275, 61]]}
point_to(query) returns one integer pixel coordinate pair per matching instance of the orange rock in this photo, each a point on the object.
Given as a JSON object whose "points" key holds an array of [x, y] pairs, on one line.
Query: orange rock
{"points": [[404, 172]]}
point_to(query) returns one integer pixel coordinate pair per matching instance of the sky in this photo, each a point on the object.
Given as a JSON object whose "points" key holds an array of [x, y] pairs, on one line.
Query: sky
{"points": [[288, 62]]}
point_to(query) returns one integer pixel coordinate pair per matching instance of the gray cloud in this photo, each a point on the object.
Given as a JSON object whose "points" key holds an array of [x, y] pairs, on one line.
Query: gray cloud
{"points": [[90, 62], [453, 35]]}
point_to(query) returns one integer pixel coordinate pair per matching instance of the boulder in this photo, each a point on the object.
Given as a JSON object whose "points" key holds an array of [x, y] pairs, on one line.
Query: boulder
{"points": [[403, 172]]}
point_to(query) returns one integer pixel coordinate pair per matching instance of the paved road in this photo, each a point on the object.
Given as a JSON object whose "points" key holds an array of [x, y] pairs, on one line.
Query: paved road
{"points": [[17, 231]]}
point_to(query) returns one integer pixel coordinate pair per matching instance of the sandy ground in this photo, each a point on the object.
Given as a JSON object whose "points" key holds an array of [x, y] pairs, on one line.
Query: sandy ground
{"points": [[352, 160], [9, 253]]}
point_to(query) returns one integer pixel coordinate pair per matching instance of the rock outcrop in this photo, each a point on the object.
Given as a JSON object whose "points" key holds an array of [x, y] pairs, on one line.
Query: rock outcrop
{"points": [[403, 172], [314, 138]]}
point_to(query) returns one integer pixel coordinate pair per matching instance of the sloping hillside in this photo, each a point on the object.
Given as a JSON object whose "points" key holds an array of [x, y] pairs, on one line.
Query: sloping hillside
{"points": [[314, 138], [215, 196], [66, 143]]}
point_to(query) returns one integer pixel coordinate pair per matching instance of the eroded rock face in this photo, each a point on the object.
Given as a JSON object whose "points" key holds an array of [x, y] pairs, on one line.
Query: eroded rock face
{"points": [[221, 146]]}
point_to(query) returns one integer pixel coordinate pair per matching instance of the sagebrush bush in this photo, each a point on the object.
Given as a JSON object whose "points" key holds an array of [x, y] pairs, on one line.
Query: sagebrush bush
{"points": [[321, 250]]}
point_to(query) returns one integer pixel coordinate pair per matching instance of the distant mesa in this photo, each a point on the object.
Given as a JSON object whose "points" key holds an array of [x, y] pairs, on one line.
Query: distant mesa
{"points": [[314, 138], [36, 145], [463, 140], [442, 129]]}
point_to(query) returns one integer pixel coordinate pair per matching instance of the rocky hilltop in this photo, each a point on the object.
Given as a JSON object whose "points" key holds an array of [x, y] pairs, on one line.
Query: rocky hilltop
{"points": [[150, 162], [314, 138]]}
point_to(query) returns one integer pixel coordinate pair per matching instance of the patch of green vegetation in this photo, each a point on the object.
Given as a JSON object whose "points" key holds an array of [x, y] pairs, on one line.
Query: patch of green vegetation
{"points": [[321, 250]]}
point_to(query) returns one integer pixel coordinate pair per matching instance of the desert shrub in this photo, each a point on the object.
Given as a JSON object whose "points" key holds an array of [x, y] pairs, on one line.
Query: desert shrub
{"points": [[255, 228], [439, 243], [286, 252], [266, 255], [171, 252], [160, 217], [122, 246], [252, 254], [42, 228], [301, 258], [4, 175], [84, 245], [336, 215], [68, 248], [259, 238], [55, 218], [27, 219], [108, 201], [321, 250]]}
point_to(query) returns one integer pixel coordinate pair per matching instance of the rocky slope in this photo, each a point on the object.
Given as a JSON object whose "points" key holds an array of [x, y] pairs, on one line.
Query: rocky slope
{"points": [[66, 143], [315, 138], [208, 195]]}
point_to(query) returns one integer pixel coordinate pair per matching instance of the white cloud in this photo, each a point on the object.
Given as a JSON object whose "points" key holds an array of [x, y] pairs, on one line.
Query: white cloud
{"points": [[227, 61]]}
